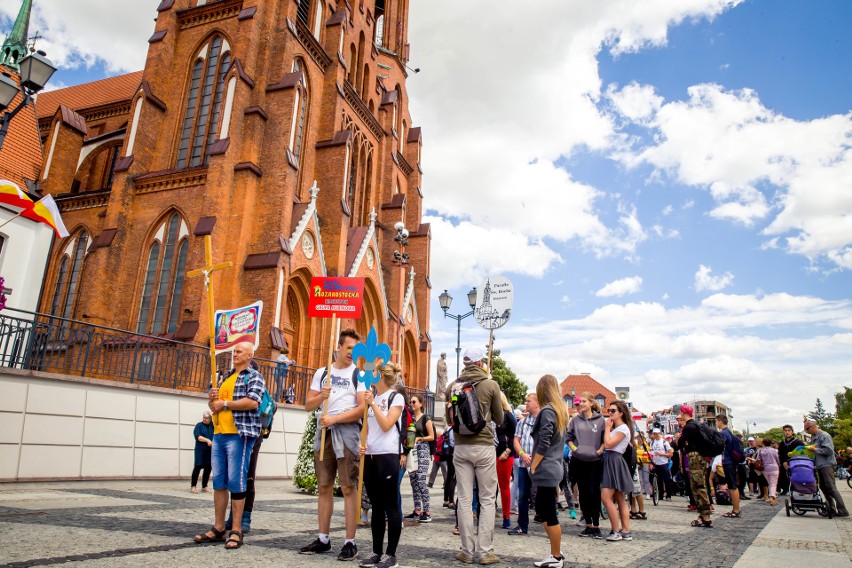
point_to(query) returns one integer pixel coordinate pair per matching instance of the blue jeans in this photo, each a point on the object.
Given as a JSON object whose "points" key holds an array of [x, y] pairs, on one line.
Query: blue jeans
{"points": [[399, 487], [231, 456], [524, 492]]}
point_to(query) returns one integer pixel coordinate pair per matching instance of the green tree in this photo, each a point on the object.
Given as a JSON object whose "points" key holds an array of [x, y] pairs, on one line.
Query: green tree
{"points": [[842, 433], [304, 474], [823, 418], [512, 387], [843, 404], [774, 434]]}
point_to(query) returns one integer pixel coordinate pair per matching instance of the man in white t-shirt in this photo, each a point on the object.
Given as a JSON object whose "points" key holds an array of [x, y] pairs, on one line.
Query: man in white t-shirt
{"points": [[661, 453], [345, 397]]}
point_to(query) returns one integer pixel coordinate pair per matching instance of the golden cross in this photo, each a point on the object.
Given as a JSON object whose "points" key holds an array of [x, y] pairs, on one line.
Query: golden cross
{"points": [[207, 271]]}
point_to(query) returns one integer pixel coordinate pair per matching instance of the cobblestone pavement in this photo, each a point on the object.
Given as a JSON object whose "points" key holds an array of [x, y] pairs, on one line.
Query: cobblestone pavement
{"points": [[135, 523]]}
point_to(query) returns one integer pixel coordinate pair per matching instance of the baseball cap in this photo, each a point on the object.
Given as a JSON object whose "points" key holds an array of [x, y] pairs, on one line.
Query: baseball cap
{"points": [[655, 431], [576, 400], [751, 438], [473, 355]]}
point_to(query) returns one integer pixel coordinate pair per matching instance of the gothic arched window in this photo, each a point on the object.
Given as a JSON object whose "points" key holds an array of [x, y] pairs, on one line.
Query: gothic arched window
{"points": [[165, 270], [69, 277], [204, 103], [300, 111]]}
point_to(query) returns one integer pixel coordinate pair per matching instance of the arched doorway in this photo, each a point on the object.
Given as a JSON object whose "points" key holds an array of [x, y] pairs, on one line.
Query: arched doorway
{"points": [[409, 361], [300, 326]]}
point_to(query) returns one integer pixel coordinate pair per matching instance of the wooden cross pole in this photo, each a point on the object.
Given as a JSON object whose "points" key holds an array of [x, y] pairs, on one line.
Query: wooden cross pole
{"points": [[207, 271], [364, 431], [328, 379]]}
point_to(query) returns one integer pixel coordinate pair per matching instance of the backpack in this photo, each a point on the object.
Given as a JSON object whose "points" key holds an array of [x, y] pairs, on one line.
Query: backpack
{"points": [[405, 420], [266, 410], [447, 450], [712, 442], [465, 414], [433, 445], [738, 452]]}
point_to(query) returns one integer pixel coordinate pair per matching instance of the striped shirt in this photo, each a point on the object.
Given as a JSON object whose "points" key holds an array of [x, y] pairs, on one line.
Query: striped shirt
{"points": [[524, 434]]}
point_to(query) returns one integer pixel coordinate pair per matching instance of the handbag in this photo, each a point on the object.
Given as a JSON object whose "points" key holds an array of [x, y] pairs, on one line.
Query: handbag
{"points": [[411, 461], [757, 464]]}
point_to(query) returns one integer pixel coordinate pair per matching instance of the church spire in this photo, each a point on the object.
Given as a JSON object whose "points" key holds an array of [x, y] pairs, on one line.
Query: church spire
{"points": [[15, 46]]}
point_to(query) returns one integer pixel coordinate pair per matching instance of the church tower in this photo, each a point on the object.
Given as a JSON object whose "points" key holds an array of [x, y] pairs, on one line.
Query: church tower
{"points": [[281, 129], [15, 45]]}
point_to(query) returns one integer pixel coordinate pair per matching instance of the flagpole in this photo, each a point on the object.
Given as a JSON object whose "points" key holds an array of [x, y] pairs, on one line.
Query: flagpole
{"points": [[21, 212]]}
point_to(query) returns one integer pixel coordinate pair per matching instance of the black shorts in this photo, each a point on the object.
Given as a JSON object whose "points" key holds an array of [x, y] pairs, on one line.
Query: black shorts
{"points": [[730, 470]]}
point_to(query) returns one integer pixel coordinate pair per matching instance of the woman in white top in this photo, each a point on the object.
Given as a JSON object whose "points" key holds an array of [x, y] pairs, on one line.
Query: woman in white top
{"points": [[381, 463], [617, 481]]}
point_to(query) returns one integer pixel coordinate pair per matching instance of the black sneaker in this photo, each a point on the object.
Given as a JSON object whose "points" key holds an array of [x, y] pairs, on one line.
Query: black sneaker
{"points": [[517, 531], [348, 552], [597, 534], [370, 561], [389, 562], [588, 532], [424, 518], [538, 519], [412, 517], [316, 547]]}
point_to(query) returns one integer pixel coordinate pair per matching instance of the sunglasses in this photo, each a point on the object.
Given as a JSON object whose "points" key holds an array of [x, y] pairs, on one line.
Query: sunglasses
{"points": [[612, 410]]}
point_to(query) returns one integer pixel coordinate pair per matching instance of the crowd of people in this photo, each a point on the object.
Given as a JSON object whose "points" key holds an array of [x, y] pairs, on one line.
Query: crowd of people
{"points": [[547, 448]]}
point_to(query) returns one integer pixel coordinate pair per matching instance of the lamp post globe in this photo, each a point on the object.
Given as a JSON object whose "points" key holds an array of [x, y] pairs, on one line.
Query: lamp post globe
{"points": [[8, 90], [36, 70]]}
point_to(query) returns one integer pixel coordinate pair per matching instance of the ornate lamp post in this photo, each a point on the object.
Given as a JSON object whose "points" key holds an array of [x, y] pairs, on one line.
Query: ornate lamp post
{"points": [[35, 72], [446, 301]]}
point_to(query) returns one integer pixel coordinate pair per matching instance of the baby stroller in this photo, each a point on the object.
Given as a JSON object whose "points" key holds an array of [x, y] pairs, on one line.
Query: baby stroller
{"points": [[804, 491]]}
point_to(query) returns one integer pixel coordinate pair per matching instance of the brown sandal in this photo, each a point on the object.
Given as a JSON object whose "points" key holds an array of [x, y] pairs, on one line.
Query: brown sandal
{"points": [[238, 540], [218, 536]]}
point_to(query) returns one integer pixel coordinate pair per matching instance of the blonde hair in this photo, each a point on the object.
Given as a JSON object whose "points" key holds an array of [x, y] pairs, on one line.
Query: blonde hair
{"points": [[548, 392], [506, 405], [591, 398], [390, 373]]}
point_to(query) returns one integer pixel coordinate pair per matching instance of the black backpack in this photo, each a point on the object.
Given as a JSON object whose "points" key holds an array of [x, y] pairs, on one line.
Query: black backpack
{"points": [[465, 414], [712, 442]]}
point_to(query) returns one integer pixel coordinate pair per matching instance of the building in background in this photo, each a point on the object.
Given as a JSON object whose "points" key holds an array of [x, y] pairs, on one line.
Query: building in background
{"points": [[282, 129], [574, 385]]}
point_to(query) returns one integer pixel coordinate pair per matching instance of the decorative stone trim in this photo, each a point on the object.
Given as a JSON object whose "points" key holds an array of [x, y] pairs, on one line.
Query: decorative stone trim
{"points": [[170, 179], [158, 36], [77, 202], [310, 43], [209, 13], [151, 98], [362, 110], [249, 167], [365, 244], [306, 217], [403, 164]]}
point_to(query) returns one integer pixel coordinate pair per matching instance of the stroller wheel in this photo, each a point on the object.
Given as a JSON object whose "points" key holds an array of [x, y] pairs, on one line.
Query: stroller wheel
{"points": [[787, 506], [824, 512], [798, 511]]}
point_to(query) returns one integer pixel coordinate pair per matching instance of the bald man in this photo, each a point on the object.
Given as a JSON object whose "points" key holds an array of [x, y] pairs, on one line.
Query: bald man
{"points": [[236, 428]]}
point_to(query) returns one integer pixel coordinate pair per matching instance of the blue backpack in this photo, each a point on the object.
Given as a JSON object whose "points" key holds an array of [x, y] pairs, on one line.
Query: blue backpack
{"points": [[266, 410]]}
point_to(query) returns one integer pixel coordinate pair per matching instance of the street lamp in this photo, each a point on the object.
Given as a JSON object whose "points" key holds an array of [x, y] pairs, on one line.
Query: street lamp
{"points": [[35, 72], [446, 301]]}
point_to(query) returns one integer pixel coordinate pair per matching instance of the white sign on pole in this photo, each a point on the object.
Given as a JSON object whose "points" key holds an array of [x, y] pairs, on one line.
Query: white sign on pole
{"points": [[494, 303]]}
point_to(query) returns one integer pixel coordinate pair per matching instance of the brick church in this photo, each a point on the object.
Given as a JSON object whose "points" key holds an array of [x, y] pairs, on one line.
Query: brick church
{"points": [[280, 128]]}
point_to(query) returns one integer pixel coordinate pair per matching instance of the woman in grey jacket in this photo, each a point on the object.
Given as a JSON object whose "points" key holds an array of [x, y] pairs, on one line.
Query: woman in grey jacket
{"points": [[546, 468], [585, 438]]}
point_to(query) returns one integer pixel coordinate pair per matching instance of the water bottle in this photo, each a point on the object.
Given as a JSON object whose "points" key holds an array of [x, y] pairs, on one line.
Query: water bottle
{"points": [[410, 435]]}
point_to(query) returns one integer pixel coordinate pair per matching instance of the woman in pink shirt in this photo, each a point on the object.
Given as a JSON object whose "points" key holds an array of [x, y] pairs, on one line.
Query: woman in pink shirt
{"points": [[771, 467]]}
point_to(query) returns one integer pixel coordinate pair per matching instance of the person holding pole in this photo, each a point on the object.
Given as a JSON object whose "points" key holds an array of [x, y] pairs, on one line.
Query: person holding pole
{"points": [[381, 463], [338, 388], [236, 428]]}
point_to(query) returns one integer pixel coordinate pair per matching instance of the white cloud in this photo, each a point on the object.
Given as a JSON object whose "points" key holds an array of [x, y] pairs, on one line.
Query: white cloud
{"points": [[464, 252], [704, 280], [621, 287], [635, 102], [758, 165], [565, 300], [498, 114], [84, 32]]}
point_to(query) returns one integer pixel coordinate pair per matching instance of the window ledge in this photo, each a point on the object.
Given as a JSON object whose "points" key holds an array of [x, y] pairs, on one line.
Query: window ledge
{"points": [[170, 179]]}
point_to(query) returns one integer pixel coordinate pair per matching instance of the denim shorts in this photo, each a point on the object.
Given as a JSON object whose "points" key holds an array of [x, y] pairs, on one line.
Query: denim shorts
{"points": [[230, 456]]}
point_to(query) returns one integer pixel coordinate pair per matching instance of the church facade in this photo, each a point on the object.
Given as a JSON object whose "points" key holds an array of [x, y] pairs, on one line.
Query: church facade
{"points": [[280, 128]]}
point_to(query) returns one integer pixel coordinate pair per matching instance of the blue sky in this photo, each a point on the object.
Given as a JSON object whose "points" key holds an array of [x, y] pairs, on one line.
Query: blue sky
{"points": [[667, 184]]}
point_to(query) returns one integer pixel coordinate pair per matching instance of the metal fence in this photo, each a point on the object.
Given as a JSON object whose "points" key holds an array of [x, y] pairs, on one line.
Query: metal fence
{"points": [[42, 342]]}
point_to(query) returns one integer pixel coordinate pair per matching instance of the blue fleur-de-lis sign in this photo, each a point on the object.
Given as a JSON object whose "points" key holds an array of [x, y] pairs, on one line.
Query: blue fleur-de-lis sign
{"points": [[371, 352]]}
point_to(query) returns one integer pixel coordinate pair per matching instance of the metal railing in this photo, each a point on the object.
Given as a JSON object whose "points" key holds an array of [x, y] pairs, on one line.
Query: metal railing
{"points": [[52, 344]]}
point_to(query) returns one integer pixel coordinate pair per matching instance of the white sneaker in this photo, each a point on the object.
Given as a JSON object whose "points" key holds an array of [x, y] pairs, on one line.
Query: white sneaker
{"points": [[581, 522], [550, 562], [614, 536]]}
